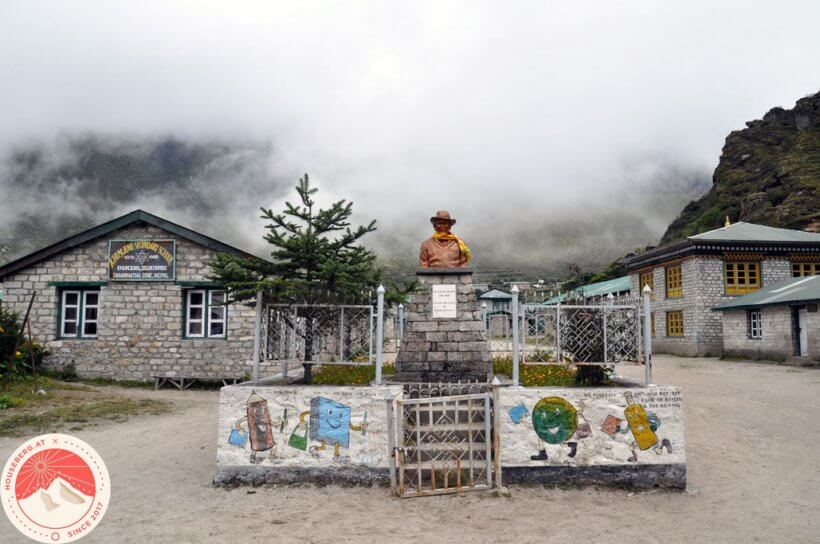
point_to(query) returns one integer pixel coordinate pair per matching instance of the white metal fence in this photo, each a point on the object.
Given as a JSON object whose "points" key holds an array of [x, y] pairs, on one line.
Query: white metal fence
{"points": [[560, 334]]}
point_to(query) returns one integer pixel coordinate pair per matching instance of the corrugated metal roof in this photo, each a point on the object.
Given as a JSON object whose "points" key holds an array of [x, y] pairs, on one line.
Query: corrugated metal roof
{"points": [[496, 294], [598, 289], [791, 291], [749, 232]]}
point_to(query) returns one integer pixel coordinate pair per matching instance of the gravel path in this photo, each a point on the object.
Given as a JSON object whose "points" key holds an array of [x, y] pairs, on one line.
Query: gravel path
{"points": [[753, 437]]}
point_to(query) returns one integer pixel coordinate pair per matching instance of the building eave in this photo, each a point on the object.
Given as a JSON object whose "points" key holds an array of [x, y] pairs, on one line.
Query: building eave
{"points": [[135, 217]]}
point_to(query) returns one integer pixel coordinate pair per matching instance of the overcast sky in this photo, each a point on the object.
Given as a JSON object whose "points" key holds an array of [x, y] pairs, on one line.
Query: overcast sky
{"points": [[408, 107]]}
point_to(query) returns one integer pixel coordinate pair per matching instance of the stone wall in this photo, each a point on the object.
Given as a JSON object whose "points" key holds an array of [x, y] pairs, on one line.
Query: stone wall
{"points": [[443, 349], [340, 434], [583, 428], [703, 288], [140, 328], [778, 339], [355, 418]]}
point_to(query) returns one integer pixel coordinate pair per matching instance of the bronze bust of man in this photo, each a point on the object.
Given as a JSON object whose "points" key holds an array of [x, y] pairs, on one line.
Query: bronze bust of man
{"points": [[444, 249]]}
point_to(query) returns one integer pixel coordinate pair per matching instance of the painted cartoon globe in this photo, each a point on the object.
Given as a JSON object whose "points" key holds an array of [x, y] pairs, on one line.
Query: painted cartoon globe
{"points": [[554, 419]]}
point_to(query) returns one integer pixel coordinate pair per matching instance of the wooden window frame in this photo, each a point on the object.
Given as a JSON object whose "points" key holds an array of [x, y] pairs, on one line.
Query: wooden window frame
{"points": [[674, 328], [803, 269], [736, 277], [651, 282], [674, 281], [207, 319], [754, 320], [81, 319]]}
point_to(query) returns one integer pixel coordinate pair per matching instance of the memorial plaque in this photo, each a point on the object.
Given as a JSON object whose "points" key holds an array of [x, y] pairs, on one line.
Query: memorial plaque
{"points": [[142, 260], [444, 302]]}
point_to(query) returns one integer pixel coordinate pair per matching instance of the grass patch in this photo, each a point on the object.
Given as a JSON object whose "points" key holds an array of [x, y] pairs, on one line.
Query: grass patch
{"points": [[78, 415], [119, 383], [348, 374], [536, 375], [64, 405]]}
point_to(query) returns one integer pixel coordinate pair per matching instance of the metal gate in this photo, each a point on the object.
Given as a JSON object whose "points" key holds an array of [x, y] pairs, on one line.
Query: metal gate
{"points": [[441, 444]]}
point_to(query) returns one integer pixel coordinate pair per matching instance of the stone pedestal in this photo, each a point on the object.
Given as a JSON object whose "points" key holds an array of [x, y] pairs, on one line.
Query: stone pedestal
{"points": [[444, 339]]}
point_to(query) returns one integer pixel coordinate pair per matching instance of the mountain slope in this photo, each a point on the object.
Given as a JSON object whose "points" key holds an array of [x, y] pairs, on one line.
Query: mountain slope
{"points": [[768, 173]]}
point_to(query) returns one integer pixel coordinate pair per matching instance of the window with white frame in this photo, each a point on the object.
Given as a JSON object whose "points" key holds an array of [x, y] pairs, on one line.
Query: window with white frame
{"points": [[206, 313], [79, 313], [755, 324]]}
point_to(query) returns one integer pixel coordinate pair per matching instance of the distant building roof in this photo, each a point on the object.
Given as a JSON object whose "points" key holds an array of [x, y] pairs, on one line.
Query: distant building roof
{"points": [[496, 294], [791, 291], [598, 289], [749, 232], [737, 237]]}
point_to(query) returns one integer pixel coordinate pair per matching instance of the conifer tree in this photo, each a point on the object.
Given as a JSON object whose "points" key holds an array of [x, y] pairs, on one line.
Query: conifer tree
{"points": [[316, 259]]}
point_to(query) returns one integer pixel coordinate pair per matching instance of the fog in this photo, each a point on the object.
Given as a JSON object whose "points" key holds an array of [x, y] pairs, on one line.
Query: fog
{"points": [[555, 132]]}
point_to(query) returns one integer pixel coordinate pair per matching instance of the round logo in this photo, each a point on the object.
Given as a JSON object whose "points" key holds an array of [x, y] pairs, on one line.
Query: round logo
{"points": [[55, 488]]}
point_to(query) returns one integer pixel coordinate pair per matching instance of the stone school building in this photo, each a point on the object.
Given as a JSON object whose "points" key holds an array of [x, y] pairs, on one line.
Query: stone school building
{"points": [[130, 299], [691, 277]]}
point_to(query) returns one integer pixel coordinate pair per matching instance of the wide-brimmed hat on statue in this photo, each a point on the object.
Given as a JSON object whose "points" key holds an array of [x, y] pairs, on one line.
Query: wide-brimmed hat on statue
{"points": [[443, 215]]}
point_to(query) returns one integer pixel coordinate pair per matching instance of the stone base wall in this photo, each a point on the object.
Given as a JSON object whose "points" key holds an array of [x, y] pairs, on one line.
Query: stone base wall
{"points": [[140, 327], [443, 349], [326, 434]]}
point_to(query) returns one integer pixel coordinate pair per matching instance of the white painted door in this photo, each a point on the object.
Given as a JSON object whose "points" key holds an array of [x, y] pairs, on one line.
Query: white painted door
{"points": [[803, 323]]}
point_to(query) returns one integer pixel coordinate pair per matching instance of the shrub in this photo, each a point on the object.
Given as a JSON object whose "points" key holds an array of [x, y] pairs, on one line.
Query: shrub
{"points": [[348, 374], [535, 375], [69, 372], [592, 375]]}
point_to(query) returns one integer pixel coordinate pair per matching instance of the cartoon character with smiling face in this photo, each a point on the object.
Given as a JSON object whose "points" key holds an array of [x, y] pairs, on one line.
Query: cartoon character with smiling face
{"points": [[330, 424]]}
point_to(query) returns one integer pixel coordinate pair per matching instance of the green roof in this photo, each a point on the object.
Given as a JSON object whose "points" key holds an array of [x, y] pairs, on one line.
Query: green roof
{"points": [[749, 232], [791, 291], [598, 289], [496, 294]]}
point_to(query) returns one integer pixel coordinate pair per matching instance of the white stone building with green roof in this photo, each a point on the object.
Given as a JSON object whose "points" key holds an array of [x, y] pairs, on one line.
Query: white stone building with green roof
{"points": [[690, 277], [779, 322]]}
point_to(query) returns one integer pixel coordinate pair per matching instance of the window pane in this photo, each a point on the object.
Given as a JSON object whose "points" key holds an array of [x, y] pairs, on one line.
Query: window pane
{"points": [[195, 329], [91, 313], [91, 299], [90, 329], [69, 329], [71, 299], [217, 297], [217, 329], [196, 298], [195, 313], [71, 314], [217, 313]]}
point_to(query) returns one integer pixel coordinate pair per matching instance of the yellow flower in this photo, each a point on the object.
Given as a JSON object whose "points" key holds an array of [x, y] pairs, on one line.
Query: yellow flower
{"points": [[2, 329], [18, 354]]}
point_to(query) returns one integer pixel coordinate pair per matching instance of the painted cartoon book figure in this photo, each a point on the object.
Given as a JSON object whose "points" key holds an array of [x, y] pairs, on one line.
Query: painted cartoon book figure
{"points": [[329, 424], [639, 423]]}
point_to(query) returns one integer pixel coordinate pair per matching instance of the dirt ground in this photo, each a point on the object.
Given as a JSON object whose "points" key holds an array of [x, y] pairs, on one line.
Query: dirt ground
{"points": [[753, 437]]}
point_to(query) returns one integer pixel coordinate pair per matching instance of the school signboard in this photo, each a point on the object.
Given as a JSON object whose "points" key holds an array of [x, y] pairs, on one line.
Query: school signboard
{"points": [[142, 260]]}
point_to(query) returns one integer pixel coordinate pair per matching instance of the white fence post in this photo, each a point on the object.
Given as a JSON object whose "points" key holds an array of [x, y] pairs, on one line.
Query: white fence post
{"points": [[401, 321], [257, 336], [379, 332], [647, 333], [515, 375]]}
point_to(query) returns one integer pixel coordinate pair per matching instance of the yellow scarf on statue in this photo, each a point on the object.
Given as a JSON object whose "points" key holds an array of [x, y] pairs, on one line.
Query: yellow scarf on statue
{"points": [[461, 245]]}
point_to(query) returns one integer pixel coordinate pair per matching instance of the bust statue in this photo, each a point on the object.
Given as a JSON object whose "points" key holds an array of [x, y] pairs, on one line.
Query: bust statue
{"points": [[444, 249]]}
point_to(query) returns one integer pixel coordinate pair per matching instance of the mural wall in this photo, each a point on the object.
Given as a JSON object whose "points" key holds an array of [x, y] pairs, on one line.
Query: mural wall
{"points": [[303, 426], [603, 426]]}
